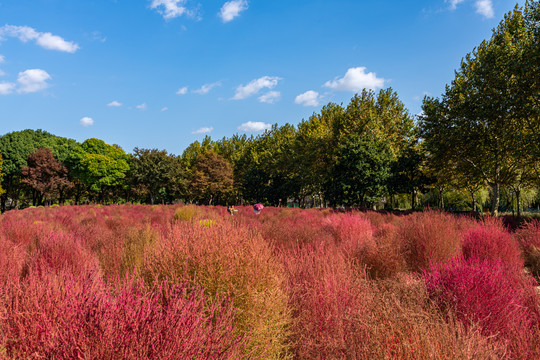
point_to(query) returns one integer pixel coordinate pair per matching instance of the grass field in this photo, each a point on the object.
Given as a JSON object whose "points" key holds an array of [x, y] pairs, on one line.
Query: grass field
{"points": [[169, 282]]}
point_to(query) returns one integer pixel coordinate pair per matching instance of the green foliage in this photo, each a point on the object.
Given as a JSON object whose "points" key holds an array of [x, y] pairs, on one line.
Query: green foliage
{"points": [[212, 178], [103, 166], [362, 169], [159, 172], [186, 213], [486, 125], [1, 175]]}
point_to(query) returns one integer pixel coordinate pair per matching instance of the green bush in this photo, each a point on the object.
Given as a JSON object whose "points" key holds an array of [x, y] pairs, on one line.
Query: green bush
{"points": [[186, 213]]}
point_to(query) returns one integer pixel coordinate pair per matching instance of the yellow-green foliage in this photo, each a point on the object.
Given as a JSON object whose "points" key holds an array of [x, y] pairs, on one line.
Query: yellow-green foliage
{"points": [[227, 260], [206, 223], [136, 244], [186, 213]]}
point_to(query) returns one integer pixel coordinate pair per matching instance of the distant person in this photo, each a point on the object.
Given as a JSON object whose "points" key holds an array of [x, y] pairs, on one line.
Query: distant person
{"points": [[231, 210], [257, 208]]}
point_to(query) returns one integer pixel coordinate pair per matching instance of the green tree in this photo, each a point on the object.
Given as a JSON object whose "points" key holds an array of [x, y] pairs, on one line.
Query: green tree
{"points": [[489, 113], [267, 167], [212, 178], [359, 177], [15, 148], [103, 166], [1, 175], [159, 172], [313, 153]]}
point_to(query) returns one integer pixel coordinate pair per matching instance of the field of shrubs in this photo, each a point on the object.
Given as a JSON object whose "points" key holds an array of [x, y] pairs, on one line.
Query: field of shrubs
{"points": [[186, 282]]}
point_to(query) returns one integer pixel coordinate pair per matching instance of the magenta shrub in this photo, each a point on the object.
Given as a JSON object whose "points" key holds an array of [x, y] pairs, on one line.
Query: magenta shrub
{"points": [[485, 293], [58, 316], [428, 237], [491, 241]]}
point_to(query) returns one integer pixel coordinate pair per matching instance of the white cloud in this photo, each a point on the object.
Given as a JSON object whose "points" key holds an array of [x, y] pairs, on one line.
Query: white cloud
{"points": [[2, 59], [2, 73], [32, 80], [164, 109], [245, 91], [454, 3], [142, 106], [355, 80], [256, 126], [270, 97], [205, 89], [87, 121], [309, 98], [203, 130], [485, 8], [182, 91], [170, 9], [114, 104], [6, 88], [45, 40], [232, 9]]}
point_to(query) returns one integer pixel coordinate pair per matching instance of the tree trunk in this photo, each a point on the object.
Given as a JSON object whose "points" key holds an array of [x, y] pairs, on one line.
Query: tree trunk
{"points": [[413, 199], [473, 201], [495, 198], [518, 200]]}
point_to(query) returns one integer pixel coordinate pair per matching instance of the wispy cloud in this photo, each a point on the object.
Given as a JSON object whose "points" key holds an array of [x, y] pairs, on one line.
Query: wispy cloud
{"points": [[164, 109], [114, 104], [171, 9], [87, 121], [6, 88], [142, 106], [270, 97], [182, 91], [483, 7], [256, 126], [206, 88], [253, 87], [203, 130], [355, 80], [2, 59], [454, 3], [45, 40], [309, 98], [232, 9], [32, 80]]}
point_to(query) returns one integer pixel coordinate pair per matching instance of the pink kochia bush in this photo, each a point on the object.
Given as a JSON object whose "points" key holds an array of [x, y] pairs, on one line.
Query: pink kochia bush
{"points": [[528, 237], [491, 241], [328, 301], [487, 294], [428, 237], [58, 316]]}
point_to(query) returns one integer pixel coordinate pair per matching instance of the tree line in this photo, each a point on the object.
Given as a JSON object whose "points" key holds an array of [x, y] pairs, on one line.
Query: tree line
{"points": [[477, 144]]}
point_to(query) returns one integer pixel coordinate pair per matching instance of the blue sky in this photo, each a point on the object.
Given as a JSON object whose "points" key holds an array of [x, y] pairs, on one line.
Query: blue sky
{"points": [[164, 73]]}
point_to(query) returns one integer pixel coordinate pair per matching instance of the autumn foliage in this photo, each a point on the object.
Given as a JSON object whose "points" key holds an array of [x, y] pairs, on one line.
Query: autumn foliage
{"points": [[169, 282]]}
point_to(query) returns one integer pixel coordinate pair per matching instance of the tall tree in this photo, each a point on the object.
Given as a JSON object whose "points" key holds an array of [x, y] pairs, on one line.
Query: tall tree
{"points": [[359, 177], [1, 175], [489, 114], [313, 153], [158, 171], [45, 176], [15, 148], [103, 166], [212, 178]]}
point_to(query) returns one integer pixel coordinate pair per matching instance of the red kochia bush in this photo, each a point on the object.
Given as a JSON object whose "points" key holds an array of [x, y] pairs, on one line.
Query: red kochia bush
{"points": [[428, 237], [502, 302], [528, 237], [491, 241], [56, 316]]}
